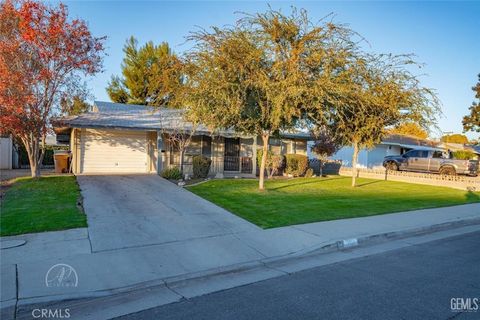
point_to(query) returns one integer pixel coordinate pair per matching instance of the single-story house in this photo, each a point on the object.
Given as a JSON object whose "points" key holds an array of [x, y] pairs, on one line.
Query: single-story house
{"points": [[121, 138], [393, 144]]}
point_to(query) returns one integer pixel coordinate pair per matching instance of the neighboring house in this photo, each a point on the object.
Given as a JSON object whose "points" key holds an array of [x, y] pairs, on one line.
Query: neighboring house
{"points": [[14, 156], [394, 144], [8, 153], [459, 147], [120, 138]]}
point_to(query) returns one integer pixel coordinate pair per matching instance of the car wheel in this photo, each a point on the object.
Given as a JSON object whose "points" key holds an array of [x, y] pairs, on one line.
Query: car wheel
{"points": [[448, 171], [392, 166]]}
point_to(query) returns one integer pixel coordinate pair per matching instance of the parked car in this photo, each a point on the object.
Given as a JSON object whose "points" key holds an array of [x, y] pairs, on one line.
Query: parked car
{"points": [[434, 161]]}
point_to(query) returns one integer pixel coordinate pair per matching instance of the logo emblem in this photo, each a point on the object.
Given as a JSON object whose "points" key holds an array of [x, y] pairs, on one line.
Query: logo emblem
{"points": [[61, 275]]}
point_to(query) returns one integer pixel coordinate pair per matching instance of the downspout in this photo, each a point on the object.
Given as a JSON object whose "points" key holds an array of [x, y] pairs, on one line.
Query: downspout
{"points": [[160, 152]]}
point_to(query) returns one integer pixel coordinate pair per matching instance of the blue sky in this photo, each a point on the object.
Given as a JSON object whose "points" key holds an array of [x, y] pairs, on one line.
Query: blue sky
{"points": [[444, 35]]}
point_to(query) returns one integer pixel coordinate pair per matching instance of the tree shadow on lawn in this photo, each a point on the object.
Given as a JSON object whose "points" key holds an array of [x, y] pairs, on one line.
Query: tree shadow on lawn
{"points": [[302, 182], [471, 196], [368, 183]]}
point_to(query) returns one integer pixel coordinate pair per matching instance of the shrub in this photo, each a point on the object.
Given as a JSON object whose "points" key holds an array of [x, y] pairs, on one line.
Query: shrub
{"points": [[201, 166], [463, 155], [296, 164], [274, 164], [171, 173], [309, 173]]}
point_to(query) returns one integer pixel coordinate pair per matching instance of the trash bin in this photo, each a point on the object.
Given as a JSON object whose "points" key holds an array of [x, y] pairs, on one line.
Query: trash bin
{"points": [[60, 158]]}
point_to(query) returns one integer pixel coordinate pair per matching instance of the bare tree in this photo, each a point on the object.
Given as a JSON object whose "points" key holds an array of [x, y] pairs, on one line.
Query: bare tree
{"points": [[326, 144], [178, 131]]}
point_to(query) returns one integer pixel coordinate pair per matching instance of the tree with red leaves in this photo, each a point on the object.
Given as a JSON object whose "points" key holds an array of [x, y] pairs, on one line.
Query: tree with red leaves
{"points": [[326, 144], [43, 55]]}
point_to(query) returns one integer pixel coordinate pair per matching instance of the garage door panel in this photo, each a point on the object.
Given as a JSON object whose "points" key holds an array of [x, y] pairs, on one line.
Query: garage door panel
{"points": [[111, 151]]}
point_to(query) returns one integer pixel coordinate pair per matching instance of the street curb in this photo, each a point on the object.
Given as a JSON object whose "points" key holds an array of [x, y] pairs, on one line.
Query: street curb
{"points": [[374, 239], [323, 249], [252, 266]]}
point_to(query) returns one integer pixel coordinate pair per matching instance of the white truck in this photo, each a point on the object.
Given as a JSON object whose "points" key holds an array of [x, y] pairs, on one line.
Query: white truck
{"points": [[434, 161]]}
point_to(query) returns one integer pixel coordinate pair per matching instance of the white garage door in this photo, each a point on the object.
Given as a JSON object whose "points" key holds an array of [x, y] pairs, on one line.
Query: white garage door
{"points": [[113, 151]]}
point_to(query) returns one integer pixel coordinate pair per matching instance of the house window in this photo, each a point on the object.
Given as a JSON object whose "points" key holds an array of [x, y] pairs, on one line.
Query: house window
{"points": [[207, 146], [275, 145], [275, 142]]}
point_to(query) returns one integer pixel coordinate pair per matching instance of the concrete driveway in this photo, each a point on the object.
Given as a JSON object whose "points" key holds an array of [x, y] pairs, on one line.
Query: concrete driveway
{"points": [[126, 211]]}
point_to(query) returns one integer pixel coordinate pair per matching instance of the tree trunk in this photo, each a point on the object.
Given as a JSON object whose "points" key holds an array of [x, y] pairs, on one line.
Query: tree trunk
{"points": [[182, 154], [32, 146], [354, 163], [265, 137], [35, 170]]}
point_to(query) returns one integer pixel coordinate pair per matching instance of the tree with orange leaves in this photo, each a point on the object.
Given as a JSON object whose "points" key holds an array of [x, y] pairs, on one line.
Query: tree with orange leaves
{"points": [[43, 55]]}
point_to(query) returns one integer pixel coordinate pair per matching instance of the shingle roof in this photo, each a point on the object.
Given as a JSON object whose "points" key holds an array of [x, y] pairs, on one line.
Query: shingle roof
{"points": [[400, 139], [121, 116], [459, 147], [416, 143], [162, 119], [107, 107]]}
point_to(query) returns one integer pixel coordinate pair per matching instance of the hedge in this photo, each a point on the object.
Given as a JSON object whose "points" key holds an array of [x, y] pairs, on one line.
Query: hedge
{"points": [[201, 166], [463, 155]]}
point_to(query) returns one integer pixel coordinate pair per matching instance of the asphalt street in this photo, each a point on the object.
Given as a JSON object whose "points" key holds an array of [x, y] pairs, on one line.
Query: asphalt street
{"points": [[434, 280]]}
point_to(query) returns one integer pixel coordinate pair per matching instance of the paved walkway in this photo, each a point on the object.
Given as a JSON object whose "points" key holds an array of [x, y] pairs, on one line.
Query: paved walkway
{"points": [[178, 251], [6, 175]]}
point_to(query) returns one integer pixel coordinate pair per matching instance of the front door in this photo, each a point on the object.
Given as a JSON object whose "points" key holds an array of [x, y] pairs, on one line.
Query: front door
{"points": [[231, 160]]}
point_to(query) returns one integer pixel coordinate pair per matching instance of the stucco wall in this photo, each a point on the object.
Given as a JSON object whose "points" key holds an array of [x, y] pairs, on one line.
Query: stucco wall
{"points": [[375, 156], [372, 158], [345, 154]]}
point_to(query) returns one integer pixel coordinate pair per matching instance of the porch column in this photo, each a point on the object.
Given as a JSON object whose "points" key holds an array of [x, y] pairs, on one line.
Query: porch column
{"points": [[160, 152], [254, 156]]}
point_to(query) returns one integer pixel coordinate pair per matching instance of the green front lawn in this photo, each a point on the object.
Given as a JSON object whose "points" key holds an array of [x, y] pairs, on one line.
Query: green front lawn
{"points": [[37, 205], [303, 200]]}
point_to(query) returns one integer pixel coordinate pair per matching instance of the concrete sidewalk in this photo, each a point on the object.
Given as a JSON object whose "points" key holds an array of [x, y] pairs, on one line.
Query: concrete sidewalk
{"points": [[103, 273]]}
